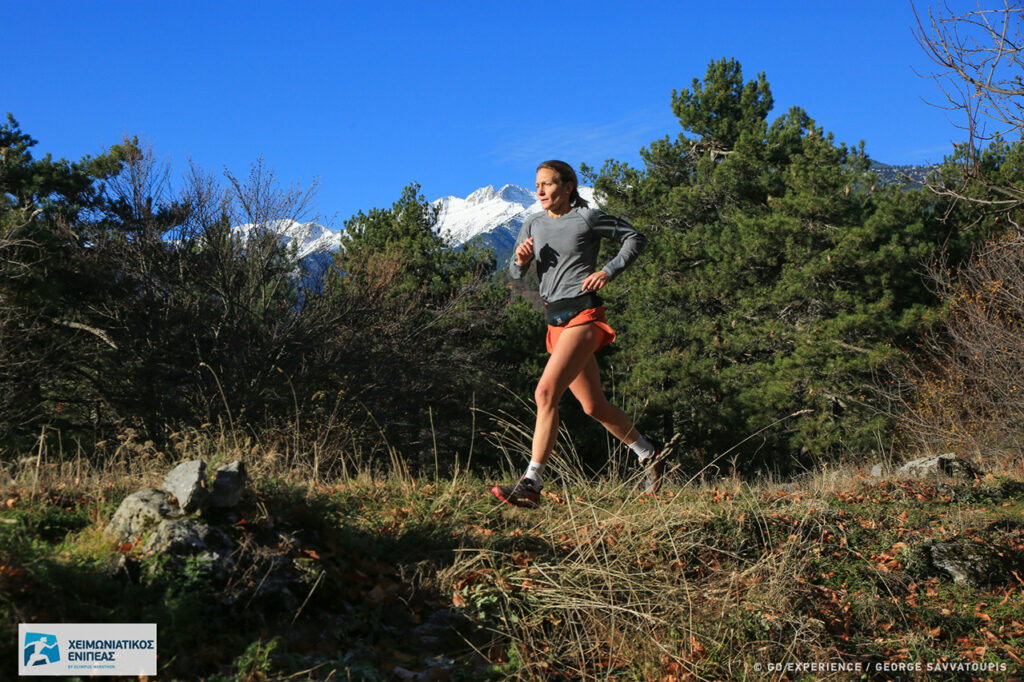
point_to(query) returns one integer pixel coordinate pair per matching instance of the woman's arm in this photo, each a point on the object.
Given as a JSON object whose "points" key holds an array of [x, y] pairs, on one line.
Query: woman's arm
{"points": [[522, 255], [632, 241]]}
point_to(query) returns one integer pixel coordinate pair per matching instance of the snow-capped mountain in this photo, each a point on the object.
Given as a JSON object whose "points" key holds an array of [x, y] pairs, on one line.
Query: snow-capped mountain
{"points": [[489, 217], [309, 238], [483, 211], [492, 217]]}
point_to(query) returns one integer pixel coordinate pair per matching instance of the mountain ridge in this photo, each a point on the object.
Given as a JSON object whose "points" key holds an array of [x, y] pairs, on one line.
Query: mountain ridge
{"points": [[491, 217]]}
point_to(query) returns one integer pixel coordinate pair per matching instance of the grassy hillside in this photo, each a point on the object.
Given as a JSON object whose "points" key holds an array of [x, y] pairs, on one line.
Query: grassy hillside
{"points": [[431, 579]]}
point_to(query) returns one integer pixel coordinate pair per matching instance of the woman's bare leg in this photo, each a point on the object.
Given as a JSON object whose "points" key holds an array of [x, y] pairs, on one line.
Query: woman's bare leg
{"points": [[587, 389], [575, 349], [572, 365]]}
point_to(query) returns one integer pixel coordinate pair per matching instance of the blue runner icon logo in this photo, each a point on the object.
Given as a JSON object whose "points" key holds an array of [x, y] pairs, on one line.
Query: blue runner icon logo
{"points": [[40, 649]]}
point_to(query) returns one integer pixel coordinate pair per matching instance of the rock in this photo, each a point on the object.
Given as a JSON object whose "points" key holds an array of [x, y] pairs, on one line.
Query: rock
{"points": [[272, 581], [228, 485], [140, 513], [186, 536], [442, 628], [976, 564], [168, 537], [151, 517], [439, 671], [877, 471], [939, 465], [187, 482]]}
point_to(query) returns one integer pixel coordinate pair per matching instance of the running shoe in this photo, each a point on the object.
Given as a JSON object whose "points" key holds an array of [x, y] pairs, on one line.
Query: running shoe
{"points": [[525, 493], [655, 466]]}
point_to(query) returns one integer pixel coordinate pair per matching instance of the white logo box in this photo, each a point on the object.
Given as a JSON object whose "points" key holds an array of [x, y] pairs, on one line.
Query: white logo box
{"points": [[87, 649]]}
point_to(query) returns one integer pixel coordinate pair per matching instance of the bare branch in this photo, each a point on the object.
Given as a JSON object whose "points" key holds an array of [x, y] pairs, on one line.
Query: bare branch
{"points": [[980, 55], [99, 333]]}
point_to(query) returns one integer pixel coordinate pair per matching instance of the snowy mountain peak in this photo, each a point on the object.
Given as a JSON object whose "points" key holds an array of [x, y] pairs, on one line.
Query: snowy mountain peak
{"points": [[517, 194], [492, 217], [509, 193], [482, 211], [481, 195], [308, 238]]}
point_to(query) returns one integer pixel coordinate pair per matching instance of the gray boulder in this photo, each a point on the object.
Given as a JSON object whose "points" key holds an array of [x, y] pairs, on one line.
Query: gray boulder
{"points": [[187, 537], [140, 514], [975, 564], [228, 485], [167, 532], [187, 482], [151, 518], [939, 466]]}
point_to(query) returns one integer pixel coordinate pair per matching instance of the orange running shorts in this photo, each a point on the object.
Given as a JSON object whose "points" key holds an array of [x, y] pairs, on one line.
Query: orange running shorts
{"points": [[594, 315]]}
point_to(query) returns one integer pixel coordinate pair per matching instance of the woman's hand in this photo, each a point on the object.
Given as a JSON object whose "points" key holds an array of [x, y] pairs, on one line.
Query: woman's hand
{"points": [[524, 252], [595, 281]]}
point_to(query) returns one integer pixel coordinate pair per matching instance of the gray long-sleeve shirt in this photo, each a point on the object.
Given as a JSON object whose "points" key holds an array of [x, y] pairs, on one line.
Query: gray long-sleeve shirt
{"points": [[565, 249]]}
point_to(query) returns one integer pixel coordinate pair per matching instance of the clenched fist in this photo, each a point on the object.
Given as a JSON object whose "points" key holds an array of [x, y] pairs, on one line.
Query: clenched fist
{"points": [[524, 252]]}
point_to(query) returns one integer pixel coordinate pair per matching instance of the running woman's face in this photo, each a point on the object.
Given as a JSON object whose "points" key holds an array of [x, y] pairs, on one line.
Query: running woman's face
{"points": [[553, 193]]}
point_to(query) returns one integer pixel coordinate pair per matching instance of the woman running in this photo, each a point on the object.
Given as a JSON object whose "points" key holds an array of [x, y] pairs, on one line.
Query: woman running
{"points": [[564, 242]]}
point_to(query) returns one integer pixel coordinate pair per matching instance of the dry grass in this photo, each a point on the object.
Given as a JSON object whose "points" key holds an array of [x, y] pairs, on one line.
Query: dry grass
{"points": [[708, 581]]}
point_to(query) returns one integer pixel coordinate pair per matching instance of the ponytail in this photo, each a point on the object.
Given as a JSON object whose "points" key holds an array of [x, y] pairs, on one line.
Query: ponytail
{"points": [[567, 174]]}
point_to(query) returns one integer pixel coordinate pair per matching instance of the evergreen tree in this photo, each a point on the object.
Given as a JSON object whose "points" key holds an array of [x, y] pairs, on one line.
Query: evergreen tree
{"points": [[779, 278], [418, 313], [46, 207]]}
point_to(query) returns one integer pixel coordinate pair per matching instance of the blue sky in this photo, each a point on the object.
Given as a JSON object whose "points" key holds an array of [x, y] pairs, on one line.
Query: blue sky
{"points": [[369, 97]]}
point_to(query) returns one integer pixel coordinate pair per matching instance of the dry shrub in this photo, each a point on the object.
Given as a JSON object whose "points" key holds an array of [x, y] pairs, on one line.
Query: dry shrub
{"points": [[619, 587], [967, 393]]}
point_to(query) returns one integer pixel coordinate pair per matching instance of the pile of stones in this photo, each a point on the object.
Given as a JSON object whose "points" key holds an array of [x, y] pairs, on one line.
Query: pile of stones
{"points": [[188, 519], [165, 520]]}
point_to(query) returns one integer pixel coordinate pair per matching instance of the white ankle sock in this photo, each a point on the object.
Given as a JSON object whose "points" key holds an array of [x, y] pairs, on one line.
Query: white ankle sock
{"points": [[534, 472], [642, 447]]}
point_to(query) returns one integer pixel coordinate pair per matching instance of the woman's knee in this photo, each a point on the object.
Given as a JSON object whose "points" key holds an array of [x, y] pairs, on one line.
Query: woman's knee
{"points": [[595, 407], [545, 395]]}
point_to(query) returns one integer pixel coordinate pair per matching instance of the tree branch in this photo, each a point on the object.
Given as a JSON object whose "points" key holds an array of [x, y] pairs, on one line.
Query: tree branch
{"points": [[99, 333]]}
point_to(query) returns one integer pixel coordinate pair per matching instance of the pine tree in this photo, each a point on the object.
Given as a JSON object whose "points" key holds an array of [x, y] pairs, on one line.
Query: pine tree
{"points": [[779, 278], [46, 207], [418, 311]]}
